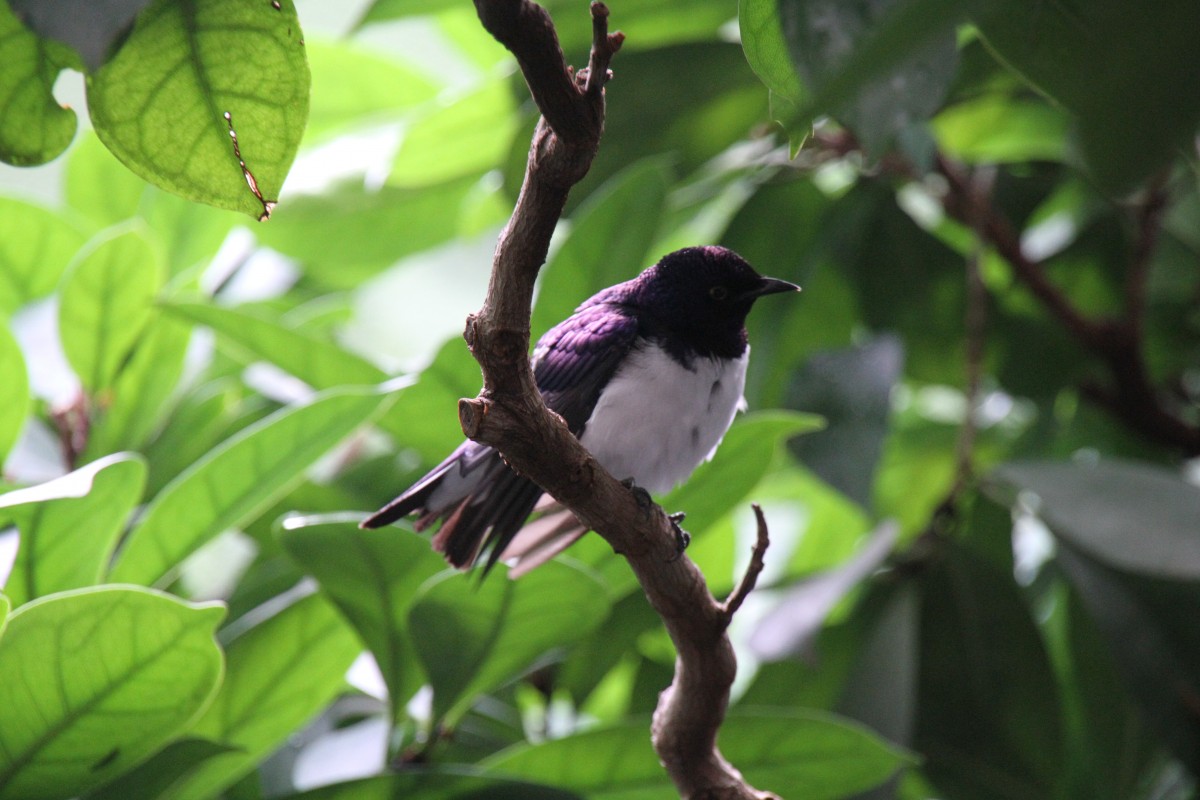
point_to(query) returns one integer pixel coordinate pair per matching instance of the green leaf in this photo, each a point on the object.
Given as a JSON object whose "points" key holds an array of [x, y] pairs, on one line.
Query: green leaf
{"points": [[610, 237], [106, 300], [238, 480], [164, 769], [988, 715], [189, 76], [1149, 625], [473, 637], [795, 754], [996, 128], [465, 137], [69, 526], [318, 362], [280, 674], [1116, 68], [372, 578], [891, 61], [413, 784], [135, 407], [452, 375], [98, 185], [349, 233], [14, 401], [36, 245], [34, 128], [741, 461], [1134, 517], [766, 51], [352, 84], [98, 679]]}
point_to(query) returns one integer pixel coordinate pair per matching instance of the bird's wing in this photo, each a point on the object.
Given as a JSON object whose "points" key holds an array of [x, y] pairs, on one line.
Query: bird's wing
{"points": [[481, 501], [575, 359]]}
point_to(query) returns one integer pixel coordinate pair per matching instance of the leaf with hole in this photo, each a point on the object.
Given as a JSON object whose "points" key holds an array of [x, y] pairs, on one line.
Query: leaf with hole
{"points": [[207, 99], [34, 128], [97, 680]]}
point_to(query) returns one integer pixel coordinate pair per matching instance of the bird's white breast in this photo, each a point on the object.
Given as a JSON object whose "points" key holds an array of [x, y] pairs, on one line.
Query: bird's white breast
{"points": [[657, 420]]}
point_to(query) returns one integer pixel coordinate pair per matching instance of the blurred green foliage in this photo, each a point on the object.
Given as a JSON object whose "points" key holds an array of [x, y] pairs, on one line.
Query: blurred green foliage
{"points": [[984, 577]]}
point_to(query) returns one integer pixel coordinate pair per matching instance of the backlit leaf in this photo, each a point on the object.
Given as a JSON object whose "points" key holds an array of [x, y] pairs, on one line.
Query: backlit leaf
{"points": [[69, 526], [106, 301], [472, 637], [34, 128], [238, 480], [96, 681], [189, 76]]}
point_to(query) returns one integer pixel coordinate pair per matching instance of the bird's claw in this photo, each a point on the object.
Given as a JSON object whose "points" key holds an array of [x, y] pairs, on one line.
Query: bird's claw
{"points": [[643, 498], [682, 537]]}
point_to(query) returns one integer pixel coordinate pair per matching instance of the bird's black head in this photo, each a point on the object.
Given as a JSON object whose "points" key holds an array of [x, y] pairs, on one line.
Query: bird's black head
{"points": [[699, 297]]}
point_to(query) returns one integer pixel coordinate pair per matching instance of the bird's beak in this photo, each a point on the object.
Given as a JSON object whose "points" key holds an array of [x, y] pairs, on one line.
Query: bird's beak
{"points": [[770, 286]]}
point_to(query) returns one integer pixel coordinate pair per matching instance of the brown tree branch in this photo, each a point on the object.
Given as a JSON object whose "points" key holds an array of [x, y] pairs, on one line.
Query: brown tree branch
{"points": [[509, 413], [1130, 393]]}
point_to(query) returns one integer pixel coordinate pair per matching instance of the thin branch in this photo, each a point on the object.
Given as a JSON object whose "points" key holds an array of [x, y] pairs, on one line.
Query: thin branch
{"points": [[509, 413], [753, 569]]}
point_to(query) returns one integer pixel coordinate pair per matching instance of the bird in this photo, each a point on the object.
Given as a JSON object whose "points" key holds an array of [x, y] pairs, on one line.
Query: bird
{"points": [[648, 375]]}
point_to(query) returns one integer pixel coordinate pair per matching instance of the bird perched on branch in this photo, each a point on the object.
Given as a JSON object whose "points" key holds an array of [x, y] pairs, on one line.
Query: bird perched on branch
{"points": [[648, 374]]}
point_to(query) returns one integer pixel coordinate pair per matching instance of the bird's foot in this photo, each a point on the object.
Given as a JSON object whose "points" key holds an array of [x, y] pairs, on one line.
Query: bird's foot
{"points": [[644, 501], [682, 537]]}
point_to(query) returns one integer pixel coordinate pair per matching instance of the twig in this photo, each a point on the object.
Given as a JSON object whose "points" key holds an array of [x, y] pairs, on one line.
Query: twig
{"points": [[753, 569], [509, 413]]}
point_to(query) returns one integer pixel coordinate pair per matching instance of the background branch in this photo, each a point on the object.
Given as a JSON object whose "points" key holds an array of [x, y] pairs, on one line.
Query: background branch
{"points": [[509, 413], [1129, 393]]}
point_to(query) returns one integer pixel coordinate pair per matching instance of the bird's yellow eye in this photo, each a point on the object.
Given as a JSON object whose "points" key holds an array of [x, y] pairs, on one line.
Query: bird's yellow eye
{"points": [[718, 293]]}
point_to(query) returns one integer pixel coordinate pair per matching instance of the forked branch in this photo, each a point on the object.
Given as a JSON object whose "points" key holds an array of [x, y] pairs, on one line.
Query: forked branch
{"points": [[509, 413]]}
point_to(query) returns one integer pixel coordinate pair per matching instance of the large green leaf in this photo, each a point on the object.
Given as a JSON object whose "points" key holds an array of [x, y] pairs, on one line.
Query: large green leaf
{"points": [[454, 784], [96, 681], [878, 65], [98, 185], [137, 403], [107, 298], [69, 526], [349, 233], [238, 480], [423, 416], [160, 772], [472, 638], [318, 362], [372, 577], [280, 674], [355, 85], [14, 402], [767, 53], [1135, 517], [34, 128], [795, 754], [988, 715], [1153, 641], [465, 137], [1118, 67], [190, 76], [610, 237], [36, 245]]}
